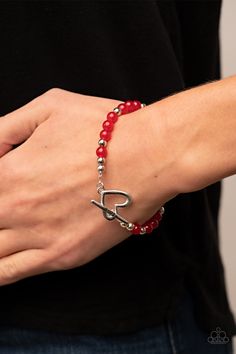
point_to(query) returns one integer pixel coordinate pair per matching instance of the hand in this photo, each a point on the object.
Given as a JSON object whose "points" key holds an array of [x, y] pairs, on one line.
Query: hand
{"points": [[47, 221]]}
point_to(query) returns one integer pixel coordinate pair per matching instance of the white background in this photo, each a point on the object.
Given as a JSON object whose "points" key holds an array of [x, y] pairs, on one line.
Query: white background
{"points": [[228, 201]]}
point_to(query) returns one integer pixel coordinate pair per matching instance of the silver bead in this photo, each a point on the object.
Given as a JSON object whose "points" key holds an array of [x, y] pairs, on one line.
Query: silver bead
{"points": [[162, 210], [143, 105], [143, 231], [117, 111], [130, 226], [101, 160], [102, 142], [100, 168]]}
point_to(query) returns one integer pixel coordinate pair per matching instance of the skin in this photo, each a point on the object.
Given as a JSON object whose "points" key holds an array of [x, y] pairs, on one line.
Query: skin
{"points": [[47, 222]]}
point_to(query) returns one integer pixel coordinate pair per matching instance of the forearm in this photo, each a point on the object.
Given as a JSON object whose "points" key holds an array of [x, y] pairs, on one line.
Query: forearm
{"points": [[199, 134]]}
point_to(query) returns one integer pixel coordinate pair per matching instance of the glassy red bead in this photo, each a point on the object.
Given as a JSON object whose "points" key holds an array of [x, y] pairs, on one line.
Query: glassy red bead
{"points": [[158, 216], [148, 228], [128, 107], [107, 125], [122, 108], [105, 135], [112, 117], [136, 105], [136, 230], [101, 151], [154, 224]]}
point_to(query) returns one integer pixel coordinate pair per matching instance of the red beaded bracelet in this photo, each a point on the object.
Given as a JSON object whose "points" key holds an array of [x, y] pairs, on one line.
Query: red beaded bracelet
{"points": [[101, 152]]}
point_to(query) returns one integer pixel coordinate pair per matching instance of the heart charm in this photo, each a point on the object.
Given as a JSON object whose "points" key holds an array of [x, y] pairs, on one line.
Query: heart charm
{"points": [[111, 214]]}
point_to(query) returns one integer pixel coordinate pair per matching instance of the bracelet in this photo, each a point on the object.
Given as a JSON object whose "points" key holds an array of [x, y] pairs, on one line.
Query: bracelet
{"points": [[101, 152]]}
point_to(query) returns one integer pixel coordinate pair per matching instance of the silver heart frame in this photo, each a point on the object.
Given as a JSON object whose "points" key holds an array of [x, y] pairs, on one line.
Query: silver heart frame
{"points": [[111, 214]]}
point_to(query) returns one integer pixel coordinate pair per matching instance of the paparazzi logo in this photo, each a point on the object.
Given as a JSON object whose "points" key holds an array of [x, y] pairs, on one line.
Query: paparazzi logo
{"points": [[218, 337]]}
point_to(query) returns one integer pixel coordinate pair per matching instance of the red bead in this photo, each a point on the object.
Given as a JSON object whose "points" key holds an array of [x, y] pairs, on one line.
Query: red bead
{"points": [[157, 216], [148, 228], [122, 108], [107, 125], [112, 117], [101, 151], [154, 224], [136, 230], [136, 105], [128, 107], [105, 135]]}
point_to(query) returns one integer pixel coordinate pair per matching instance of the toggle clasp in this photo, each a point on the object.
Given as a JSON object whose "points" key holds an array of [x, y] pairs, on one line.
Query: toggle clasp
{"points": [[111, 214]]}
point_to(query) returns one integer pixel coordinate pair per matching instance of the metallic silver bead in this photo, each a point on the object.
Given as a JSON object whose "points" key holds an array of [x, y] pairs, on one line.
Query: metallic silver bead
{"points": [[101, 160], [130, 226], [102, 142], [117, 111], [143, 105], [143, 231], [100, 168], [162, 210]]}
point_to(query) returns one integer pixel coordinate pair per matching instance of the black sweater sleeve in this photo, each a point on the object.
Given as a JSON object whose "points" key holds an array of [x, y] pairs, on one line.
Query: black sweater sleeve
{"points": [[199, 27]]}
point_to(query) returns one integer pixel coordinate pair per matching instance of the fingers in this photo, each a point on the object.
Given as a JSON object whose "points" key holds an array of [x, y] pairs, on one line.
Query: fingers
{"points": [[9, 243], [12, 242], [19, 125], [23, 264]]}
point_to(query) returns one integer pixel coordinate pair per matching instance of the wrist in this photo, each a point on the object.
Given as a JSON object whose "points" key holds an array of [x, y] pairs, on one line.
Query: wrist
{"points": [[135, 167], [198, 127]]}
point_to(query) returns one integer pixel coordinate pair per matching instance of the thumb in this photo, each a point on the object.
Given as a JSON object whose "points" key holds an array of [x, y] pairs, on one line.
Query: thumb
{"points": [[19, 125]]}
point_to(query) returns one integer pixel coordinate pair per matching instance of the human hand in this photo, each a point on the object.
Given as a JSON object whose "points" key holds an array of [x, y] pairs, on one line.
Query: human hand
{"points": [[47, 221]]}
